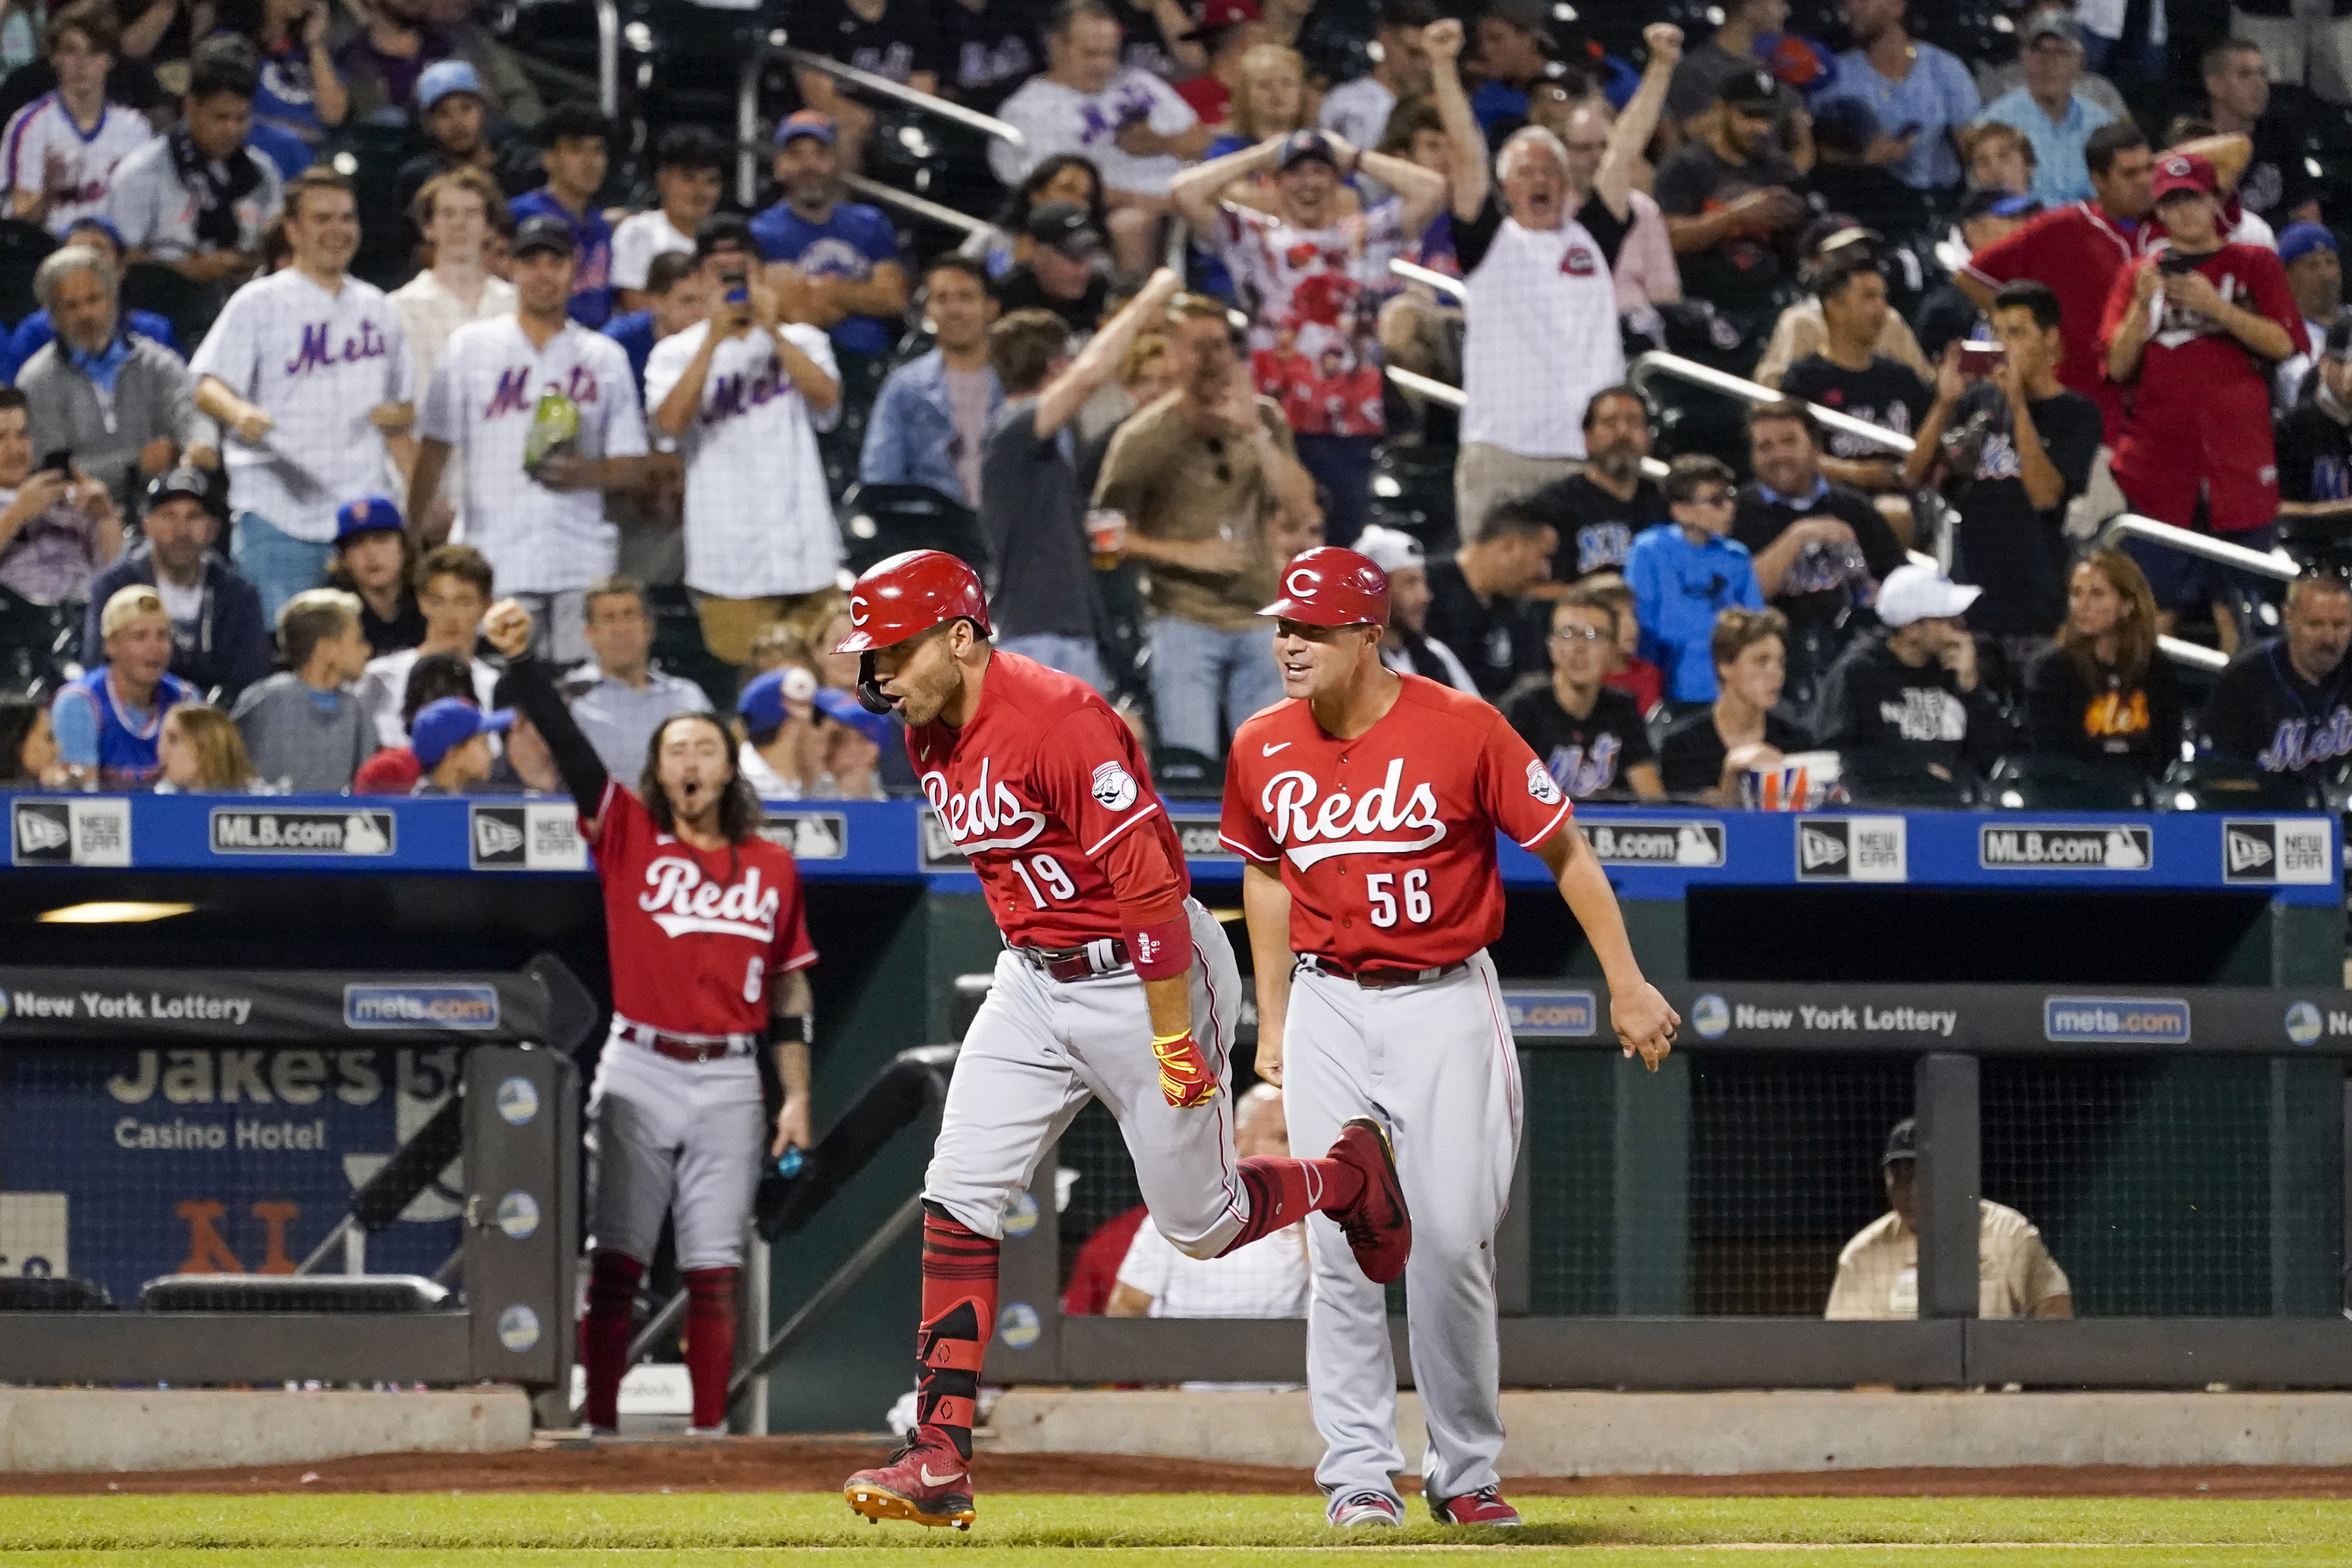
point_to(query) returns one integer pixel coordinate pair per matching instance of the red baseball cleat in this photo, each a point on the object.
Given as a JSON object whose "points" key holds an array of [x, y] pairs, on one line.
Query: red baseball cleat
{"points": [[926, 1482], [1378, 1226], [1484, 1506]]}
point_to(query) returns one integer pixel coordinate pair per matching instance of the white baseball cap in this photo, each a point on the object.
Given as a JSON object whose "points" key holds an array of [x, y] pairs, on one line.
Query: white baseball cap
{"points": [[1389, 548], [1922, 594]]}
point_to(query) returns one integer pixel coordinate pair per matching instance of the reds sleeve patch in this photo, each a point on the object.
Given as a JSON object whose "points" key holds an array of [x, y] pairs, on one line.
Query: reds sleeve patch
{"points": [[1114, 787], [1542, 785]]}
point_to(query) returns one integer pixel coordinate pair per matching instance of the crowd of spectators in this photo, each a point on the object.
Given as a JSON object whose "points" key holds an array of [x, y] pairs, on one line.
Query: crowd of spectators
{"points": [[276, 436]]}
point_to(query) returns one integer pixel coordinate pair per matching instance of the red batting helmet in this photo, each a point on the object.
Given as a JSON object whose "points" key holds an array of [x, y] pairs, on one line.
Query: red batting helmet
{"points": [[1328, 586], [909, 594]]}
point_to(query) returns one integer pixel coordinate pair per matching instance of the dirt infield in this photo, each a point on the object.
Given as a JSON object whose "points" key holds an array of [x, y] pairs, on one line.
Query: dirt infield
{"points": [[792, 1464]]}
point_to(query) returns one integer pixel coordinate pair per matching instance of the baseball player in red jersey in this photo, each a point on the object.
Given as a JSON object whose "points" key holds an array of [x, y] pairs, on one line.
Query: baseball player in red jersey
{"points": [[1367, 806], [710, 955], [1114, 984]]}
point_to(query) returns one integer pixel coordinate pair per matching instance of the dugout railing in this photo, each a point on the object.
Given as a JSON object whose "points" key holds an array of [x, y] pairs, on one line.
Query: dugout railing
{"points": [[1937, 1041]]}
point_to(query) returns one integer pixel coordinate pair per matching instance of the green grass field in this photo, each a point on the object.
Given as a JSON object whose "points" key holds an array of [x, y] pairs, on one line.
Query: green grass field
{"points": [[492, 1531]]}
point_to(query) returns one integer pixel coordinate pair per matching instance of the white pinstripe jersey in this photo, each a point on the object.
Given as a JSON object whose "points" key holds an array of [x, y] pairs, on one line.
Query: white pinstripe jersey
{"points": [[538, 541], [317, 362], [45, 126]]}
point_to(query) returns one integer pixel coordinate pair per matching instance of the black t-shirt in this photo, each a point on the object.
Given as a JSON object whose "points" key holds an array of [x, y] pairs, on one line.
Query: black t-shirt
{"points": [[1691, 754], [905, 39], [2103, 718], [1873, 704], [1497, 639], [2275, 181], [404, 629], [1141, 47], [1885, 392], [2018, 555], [1740, 271], [1041, 575], [1588, 757], [990, 52], [2263, 712], [1020, 290], [1596, 528], [1825, 579], [1472, 239], [2314, 455]]}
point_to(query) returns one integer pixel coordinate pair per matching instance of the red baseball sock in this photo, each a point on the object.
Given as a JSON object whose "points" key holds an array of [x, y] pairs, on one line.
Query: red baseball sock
{"points": [[959, 1315], [1283, 1192], [709, 1340], [605, 1331]]}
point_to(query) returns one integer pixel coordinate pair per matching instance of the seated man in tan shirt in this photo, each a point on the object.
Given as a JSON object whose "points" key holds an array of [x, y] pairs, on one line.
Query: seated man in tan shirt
{"points": [[1878, 1272]]}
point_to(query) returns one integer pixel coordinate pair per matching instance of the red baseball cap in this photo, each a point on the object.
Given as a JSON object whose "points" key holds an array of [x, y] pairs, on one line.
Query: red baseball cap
{"points": [[2184, 172], [1329, 586], [1218, 14]]}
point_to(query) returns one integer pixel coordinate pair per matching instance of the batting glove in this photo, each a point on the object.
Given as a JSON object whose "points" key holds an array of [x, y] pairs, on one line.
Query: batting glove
{"points": [[1185, 1075]]}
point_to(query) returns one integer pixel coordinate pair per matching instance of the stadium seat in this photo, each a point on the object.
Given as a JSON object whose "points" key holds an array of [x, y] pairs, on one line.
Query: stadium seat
{"points": [[2042, 780], [2218, 784], [1187, 774], [1413, 490], [880, 520], [1881, 778], [188, 305], [37, 643], [679, 647]]}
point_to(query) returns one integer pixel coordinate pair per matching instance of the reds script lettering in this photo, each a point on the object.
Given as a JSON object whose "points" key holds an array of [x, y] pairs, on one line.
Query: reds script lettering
{"points": [[683, 900], [1298, 819], [990, 817], [317, 353]]}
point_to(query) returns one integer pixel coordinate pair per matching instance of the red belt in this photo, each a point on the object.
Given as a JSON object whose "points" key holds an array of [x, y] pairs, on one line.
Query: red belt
{"points": [[1106, 956], [1378, 978], [680, 1047]]}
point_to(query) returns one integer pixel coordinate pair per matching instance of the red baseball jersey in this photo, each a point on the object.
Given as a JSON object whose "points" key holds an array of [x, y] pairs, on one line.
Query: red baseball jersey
{"points": [[1387, 841], [2196, 381], [696, 934], [2076, 251], [1045, 790]]}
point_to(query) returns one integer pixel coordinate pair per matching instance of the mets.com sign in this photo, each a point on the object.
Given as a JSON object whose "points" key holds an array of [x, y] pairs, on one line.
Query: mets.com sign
{"points": [[420, 1007], [2115, 1020]]}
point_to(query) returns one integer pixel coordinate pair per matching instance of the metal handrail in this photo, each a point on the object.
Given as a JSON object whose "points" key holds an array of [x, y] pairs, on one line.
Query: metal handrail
{"points": [[2194, 654], [1422, 275], [1452, 396], [2277, 566], [988, 124], [907, 202], [608, 57], [1697, 374]]}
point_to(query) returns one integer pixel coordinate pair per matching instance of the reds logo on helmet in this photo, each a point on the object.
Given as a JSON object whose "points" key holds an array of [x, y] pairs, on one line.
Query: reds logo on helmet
{"points": [[909, 593], [1328, 586]]}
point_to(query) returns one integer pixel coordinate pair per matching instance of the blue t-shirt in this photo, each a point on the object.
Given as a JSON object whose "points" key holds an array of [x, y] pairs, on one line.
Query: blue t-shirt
{"points": [[1678, 590], [592, 285], [1937, 95], [851, 243], [634, 333]]}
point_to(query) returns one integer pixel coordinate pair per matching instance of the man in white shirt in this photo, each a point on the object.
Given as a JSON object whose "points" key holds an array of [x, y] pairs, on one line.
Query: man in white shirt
{"points": [[1267, 1279], [1130, 123], [1878, 1270], [197, 199], [743, 394], [456, 213], [689, 171], [309, 373], [621, 700], [536, 512], [1541, 307], [60, 150]]}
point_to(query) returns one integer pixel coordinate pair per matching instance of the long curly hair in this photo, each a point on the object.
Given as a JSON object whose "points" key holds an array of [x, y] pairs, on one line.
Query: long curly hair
{"points": [[740, 813]]}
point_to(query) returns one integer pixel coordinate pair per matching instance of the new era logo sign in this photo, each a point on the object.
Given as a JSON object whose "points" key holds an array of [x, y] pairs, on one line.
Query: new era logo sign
{"points": [[498, 834], [540, 836], [70, 833], [1850, 849], [2279, 850], [44, 832]]}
